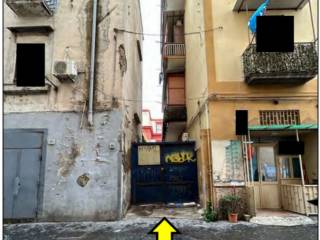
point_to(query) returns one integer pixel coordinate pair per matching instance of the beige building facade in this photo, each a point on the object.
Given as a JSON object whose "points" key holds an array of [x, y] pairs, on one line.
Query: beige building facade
{"points": [[219, 56], [84, 113]]}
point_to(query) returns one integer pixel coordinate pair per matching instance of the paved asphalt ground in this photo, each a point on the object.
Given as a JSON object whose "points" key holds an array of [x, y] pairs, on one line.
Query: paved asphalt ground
{"points": [[137, 229]]}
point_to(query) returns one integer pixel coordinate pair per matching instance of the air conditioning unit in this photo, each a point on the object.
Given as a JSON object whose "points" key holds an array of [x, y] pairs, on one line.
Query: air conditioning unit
{"points": [[65, 70]]}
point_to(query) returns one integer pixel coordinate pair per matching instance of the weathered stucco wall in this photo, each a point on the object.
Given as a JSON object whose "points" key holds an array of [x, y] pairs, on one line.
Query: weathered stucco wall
{"points": [[227, 40], [231, 41], [197, 89], [131, 92], [71, 39], [117, 97], [311, 155], [72, 152], [196, 73], [223, 121]]}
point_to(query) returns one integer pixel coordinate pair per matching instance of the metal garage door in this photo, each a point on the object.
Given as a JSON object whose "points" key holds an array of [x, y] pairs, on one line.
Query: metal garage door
{"points": [[164, 173], [22, 164]]}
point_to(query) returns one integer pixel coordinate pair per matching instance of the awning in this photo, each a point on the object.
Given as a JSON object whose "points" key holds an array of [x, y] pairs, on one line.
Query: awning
{"points": [[252, 5], [307, 126]]}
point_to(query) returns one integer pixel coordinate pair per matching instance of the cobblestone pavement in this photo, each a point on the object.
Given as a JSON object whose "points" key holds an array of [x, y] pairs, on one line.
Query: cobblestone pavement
{"points": [[136, 229]]}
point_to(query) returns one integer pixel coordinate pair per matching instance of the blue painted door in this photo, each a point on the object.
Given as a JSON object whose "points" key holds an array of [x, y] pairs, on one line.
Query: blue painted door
{"points": [[22, 161], [173, 180]]}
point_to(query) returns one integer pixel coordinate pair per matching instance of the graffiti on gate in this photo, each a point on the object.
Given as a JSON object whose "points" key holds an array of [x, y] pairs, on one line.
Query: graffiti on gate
{"points": [[180, 157]]}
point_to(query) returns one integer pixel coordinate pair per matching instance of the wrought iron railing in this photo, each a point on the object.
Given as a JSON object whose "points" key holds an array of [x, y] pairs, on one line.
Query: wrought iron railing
{"points": [[298, 66]]}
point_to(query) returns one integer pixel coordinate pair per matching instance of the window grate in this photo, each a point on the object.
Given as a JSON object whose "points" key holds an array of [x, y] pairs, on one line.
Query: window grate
{"points": [[277, 117]]}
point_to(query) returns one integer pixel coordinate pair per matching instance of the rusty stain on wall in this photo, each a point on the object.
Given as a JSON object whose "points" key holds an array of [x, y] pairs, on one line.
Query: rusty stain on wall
{"points": [[67, 161]]}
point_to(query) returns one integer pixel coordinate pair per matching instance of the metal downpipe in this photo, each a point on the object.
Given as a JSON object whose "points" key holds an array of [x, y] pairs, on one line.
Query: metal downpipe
{"points": [[92, 62]]}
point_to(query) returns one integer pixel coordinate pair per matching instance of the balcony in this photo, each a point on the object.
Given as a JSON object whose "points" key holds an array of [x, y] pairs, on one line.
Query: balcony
{"points": [[252, 5], [296, 67], [174, 55], [176, 50], [173, 5], [33, 7], [175, 113], [175, 98]]}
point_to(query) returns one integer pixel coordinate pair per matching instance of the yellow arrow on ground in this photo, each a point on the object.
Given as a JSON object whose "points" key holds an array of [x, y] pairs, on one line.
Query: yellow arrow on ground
{"points": [[164, 230]]}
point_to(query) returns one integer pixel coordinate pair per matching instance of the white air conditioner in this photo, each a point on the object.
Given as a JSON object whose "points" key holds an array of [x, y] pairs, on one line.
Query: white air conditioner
{"points": [[65, 70]]}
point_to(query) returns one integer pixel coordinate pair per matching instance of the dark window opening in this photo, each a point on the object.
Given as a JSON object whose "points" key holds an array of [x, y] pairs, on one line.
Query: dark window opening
{"points": [[139, 50], [296, 167], [30, 65]]}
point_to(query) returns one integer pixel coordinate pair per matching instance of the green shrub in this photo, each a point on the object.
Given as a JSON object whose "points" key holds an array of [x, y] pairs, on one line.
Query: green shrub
{"points": [[210, 214], [231, 203]]}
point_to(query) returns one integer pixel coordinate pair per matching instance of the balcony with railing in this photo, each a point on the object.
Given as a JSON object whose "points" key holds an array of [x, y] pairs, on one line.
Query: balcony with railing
{"points": [[175, 50], [33, 7], [295, 67]]}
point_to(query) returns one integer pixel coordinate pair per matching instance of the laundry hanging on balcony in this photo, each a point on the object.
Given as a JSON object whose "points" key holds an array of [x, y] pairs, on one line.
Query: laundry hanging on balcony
{"points": [[259, 12]]}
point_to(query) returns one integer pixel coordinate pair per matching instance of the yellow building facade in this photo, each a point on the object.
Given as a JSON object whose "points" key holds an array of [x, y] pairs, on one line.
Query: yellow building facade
{"points": [[281, 106]]}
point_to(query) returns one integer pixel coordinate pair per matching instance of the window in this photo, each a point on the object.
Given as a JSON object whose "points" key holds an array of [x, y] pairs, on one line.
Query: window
{"points": [[279, 117], [30, 65], [290, 167], [296, 167], [267, 164], [285, 168]]}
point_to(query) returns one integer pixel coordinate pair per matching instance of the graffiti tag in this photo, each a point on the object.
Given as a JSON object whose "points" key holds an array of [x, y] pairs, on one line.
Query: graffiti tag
{"points": [[180, 157]]}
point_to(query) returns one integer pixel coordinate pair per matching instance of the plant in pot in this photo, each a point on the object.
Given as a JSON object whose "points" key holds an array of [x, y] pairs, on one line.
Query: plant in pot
{"points": [[230, 204]]}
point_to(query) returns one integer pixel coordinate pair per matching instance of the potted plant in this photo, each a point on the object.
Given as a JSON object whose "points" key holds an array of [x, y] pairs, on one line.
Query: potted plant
{"points": [[231, 205]]}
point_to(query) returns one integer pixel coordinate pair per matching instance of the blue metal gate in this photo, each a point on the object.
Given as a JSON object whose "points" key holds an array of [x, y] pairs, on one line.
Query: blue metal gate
{"points": [[164, 173]]}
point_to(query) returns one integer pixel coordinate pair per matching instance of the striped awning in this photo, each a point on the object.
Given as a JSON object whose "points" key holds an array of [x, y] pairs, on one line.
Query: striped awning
{"points": [[308, 126]]}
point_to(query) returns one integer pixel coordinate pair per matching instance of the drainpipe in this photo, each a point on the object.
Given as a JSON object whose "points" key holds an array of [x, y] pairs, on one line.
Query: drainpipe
{"points": [[211, 183], [92, 62], [302, 177]]}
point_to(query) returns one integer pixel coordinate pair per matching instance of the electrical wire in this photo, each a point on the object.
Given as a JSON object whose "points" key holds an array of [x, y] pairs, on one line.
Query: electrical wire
{"points": [[159, 34], [141, 100]]}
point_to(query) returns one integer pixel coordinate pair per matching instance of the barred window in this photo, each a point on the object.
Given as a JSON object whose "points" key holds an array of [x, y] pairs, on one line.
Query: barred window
{"points": [[279, 117]]}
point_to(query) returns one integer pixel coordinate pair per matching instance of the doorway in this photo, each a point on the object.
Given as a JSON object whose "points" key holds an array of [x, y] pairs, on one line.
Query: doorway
{"points": [[23, 172], [164, 173], [266, 180]]}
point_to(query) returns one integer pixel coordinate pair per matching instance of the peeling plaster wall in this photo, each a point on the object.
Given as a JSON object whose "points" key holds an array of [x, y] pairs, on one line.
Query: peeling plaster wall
{"points": [[71, 39], [77, 153], [118, 96], [131, 91]]}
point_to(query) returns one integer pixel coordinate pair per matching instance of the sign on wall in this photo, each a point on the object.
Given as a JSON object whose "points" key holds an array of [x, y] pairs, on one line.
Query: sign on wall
{"points": [[227, 161], [149, 155]]}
